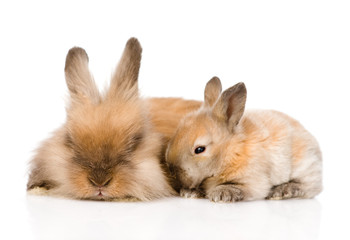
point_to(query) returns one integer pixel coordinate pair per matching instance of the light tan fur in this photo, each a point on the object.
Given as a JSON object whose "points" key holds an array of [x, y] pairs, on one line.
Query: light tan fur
{"points": [[166, 113], [108, 148], [256, 155]]}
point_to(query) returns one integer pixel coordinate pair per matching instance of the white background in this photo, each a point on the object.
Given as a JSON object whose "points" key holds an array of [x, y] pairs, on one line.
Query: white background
{"points": [[294, 56]]}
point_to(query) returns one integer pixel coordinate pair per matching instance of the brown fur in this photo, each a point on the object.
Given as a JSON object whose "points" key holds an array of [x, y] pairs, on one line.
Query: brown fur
{"points": [[108, 148], [165, 114], [247, 156]]}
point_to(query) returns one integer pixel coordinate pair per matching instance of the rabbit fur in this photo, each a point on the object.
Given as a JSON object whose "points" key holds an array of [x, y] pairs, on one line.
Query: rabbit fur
{"points": [[108, 147], [224, 153]]}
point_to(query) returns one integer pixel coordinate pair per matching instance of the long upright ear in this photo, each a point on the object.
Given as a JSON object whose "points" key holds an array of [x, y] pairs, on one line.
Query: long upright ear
{"points": [[124, 80], [80, 82], [212, 91], [231, 104]]}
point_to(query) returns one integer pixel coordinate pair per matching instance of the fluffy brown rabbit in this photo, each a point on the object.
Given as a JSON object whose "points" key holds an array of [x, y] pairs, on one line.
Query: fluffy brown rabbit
{"points": [[226, 154], [107, 149]]}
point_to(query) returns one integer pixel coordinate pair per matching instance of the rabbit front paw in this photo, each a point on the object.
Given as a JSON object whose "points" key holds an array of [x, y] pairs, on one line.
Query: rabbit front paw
{"points": [[191, 193], [225, 193], [285, 191]]}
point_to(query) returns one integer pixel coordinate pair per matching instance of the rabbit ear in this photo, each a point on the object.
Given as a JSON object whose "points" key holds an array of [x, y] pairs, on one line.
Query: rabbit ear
{"points": [[80, 82], [212, 91], [124, 80], [231, 104]]}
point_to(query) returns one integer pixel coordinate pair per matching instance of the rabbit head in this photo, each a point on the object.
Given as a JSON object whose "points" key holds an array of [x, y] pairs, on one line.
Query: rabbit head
{"points": [[195, 152], [107, 148]]}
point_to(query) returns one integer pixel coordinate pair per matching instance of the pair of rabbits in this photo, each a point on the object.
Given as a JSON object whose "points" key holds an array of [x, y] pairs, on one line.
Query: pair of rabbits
{"points": [[120, 146]]}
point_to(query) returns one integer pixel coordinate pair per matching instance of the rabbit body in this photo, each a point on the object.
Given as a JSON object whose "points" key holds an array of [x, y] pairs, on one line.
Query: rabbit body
{"points": [[247, 155], [166, 113]]}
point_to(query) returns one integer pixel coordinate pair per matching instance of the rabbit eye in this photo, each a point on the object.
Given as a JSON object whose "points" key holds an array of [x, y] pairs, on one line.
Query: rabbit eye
{"points": [[199, 150]]}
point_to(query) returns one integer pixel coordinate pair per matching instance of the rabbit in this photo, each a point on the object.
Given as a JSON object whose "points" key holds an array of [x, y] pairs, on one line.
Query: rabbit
{"points": [[107, 149], [226, 154]]}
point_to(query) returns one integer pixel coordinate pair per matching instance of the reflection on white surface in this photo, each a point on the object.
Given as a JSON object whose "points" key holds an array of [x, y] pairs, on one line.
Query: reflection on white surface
{"points": [[173, 218]]}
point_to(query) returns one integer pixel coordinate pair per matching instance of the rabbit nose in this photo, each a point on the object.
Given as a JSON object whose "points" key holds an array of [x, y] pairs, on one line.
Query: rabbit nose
{"points": [[99, 184]]}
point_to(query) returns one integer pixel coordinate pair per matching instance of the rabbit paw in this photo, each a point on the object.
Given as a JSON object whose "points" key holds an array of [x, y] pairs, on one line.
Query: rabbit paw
{"points": [[284, 191], [191, 193], [226, 193], [45, 185]]}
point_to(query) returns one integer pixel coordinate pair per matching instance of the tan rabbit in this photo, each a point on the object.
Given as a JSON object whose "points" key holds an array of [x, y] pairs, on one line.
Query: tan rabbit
{"points": [[108, 148], [224, 153]]}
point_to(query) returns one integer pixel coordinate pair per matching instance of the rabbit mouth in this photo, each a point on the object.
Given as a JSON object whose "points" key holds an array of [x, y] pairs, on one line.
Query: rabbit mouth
{"points": [[100, 195]]}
